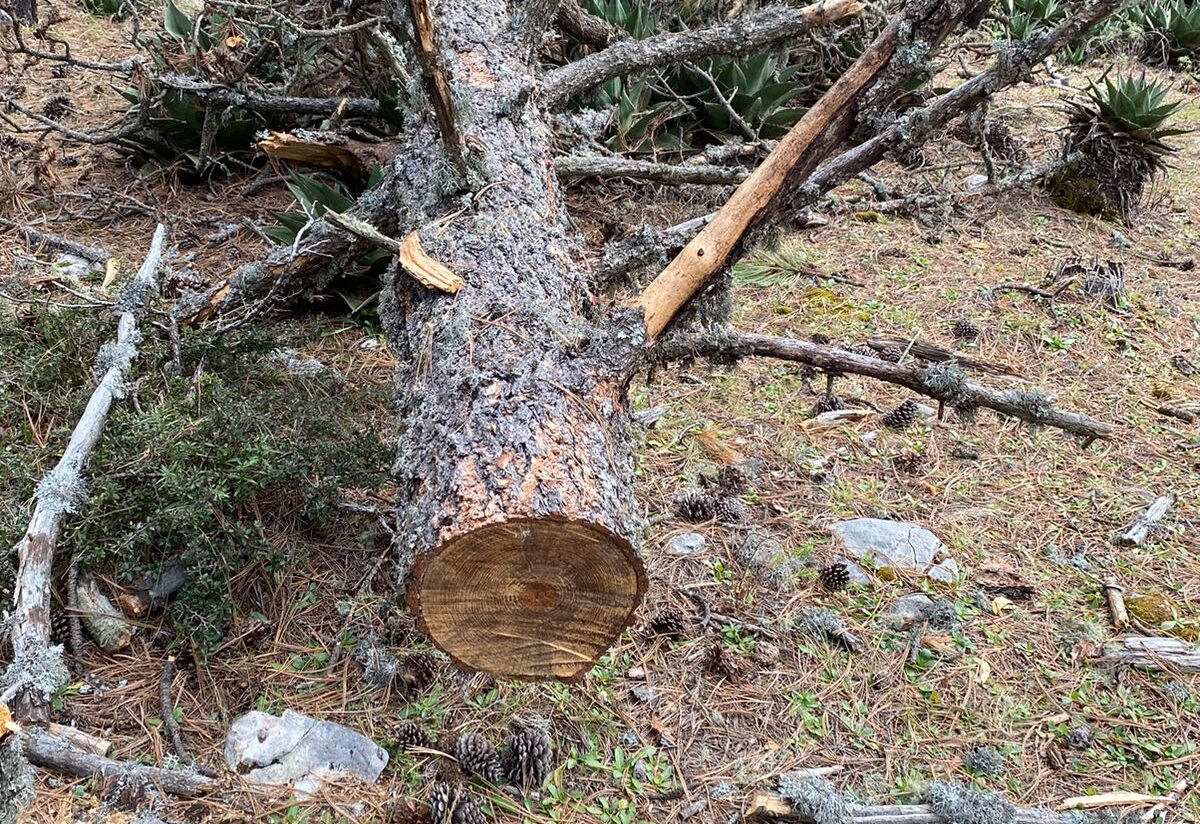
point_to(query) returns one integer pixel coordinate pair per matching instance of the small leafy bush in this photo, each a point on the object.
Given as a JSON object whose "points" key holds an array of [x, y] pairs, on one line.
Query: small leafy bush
{"points": [[224, 468]]}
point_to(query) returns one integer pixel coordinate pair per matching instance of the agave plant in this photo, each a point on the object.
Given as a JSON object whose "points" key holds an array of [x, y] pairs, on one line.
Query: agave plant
{"points": [[1171, 28], [1117, 136], [758, 89]]}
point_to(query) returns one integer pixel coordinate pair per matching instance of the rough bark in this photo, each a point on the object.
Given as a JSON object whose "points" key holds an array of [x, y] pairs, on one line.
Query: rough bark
{"points": [[37, 668], [46, 750], [586, 28], [25, 11], [514, 474]]}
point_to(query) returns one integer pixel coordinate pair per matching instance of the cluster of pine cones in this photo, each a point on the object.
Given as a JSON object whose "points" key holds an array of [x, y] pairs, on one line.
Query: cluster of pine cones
{"points": [[716, 500], [526, 761]]}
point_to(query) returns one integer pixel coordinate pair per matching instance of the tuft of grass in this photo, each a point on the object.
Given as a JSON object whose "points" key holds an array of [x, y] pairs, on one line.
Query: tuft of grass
{"points": [[782, 267]]}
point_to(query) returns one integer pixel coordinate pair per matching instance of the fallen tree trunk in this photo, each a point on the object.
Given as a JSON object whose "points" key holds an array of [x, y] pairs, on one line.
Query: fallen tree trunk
{"points": [[516, 519], [37, 669], [514, 472]]}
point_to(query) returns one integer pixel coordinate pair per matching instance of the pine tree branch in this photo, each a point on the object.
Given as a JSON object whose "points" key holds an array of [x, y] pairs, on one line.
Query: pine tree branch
{"points": [[743, 36]]}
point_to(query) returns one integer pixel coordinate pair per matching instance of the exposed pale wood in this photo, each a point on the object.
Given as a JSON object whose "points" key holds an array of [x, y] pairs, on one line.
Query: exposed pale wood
{"points": [[354, 157], [1112, 799], [59, 497], [46, 750], [1169, 654], [409, 252], [426, 47], [80, 739], [1114, 595], [710, 250], [771, 806], [1139, 530]]}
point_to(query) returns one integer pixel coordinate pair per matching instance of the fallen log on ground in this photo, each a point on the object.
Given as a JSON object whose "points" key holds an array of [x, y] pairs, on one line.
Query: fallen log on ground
{"points": [[513, 470], [46, 750], [1150, 652], [1137, 532], [37, 669]]}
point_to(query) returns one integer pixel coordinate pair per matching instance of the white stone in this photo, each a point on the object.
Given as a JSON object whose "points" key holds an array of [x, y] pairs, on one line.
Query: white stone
{"points": [[301, 752], [687, 543]]}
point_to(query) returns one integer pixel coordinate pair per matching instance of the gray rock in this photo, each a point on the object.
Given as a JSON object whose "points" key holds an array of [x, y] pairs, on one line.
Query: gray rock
{"points": [[858, 575], [301, 752], [907, 610], [688, 543], [895, 544], [945, 572]]}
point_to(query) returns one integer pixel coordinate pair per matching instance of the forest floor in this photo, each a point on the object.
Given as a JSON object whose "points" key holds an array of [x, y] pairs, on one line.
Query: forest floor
{"points": [[656, 732]]}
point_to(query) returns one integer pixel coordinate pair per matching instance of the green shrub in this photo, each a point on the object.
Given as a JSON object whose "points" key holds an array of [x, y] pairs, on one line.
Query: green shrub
{"points": [[224, 467]]}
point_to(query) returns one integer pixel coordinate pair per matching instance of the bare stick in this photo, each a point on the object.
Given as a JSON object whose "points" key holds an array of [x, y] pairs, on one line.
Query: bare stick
{"points": [[744, 36], [425, 270], [1137, 532], [1114, 595], [710, 250], [46, 750], [167, 710], [595, 166], [436, 85], [37, 668], [764, 805], [90, 253], [933, 382]]}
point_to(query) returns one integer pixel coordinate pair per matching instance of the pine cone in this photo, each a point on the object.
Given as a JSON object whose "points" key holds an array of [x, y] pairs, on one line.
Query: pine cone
{"points": [[864, 350], [695, 506], [820, 339], [834, 577], [730, 510], [963, 329], [909, 462], [416, 672], [903, 416], [468, 812], [732, 480], [827, 403], [892, 354], [1078, 738], [57, 106], [476, 755], [60, 627], [441, 800], [668, 623], [410, 735], [527, 758]]}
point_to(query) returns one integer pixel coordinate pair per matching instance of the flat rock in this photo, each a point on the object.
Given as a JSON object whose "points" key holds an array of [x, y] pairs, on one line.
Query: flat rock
{"points": [[858, 575], [687, 543], [892, 544], [945, 572], [907, 610], [301, 752]]}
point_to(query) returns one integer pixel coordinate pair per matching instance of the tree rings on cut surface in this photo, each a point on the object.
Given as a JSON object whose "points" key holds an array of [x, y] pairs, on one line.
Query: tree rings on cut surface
{"points": [[528, 598]]}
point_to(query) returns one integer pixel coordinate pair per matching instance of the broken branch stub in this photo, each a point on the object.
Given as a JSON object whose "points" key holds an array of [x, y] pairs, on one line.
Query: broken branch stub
{"points": [[708, 252]]}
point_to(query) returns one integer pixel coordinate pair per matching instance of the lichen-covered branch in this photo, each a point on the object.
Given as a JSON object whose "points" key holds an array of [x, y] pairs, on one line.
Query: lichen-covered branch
{"points": [[580, 166], [944, 382], [37, 668], [49, 751], [269, 104], [742, 36], [587, 28]]}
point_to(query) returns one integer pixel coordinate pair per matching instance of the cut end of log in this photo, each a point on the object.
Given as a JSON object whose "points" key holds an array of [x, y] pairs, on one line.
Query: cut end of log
{"points": [[532, 599]]}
